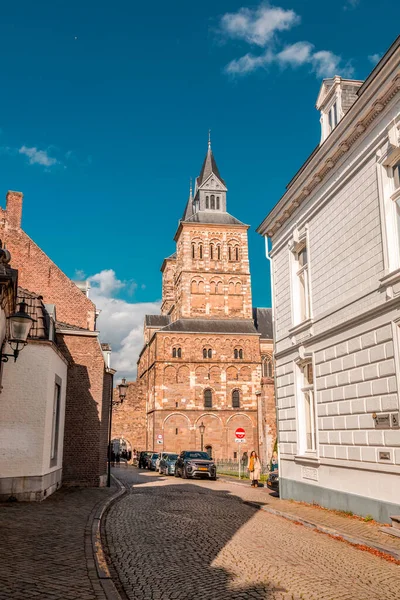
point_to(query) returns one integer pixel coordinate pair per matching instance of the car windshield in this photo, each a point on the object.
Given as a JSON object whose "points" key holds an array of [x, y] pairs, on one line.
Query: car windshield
{"points": [[202, 455], [154, 456], [171, 457]]}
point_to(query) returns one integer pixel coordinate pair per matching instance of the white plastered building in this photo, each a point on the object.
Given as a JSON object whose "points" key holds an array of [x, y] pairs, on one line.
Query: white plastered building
{"points": [[335, 268]]}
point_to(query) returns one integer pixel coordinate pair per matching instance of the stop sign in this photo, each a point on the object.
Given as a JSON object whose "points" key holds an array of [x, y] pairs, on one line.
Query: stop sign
{"points": [[240, 433]]}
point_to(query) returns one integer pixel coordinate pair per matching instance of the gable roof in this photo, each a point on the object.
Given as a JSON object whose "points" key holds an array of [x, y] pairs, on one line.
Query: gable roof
{"points": [[263, 322], [36, 309], [157, 320]]}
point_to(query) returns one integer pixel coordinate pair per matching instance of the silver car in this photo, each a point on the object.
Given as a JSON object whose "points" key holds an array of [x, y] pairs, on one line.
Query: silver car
{"points": [[167, 463]]}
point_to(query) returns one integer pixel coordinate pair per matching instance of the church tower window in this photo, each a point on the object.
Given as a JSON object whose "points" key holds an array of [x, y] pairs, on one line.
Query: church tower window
{"points": [[235, 399], [217, 202], [237, 253], [177, 352], [200, 250], [208, 398], [193, 251], [218, 252], [212, 251], [212, 202], [207, 202]]}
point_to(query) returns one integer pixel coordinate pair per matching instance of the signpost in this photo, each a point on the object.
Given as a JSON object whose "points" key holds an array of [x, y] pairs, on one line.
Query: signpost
{"points": [[240, 438], [159, 438]]}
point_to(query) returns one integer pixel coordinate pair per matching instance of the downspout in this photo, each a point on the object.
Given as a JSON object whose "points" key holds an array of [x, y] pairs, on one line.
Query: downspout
{"points": [[271, 271]]}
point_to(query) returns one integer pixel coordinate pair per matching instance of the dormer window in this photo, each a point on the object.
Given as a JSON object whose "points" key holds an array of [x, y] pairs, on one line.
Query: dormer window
{"points": [[217, 202], [333, 116], [335, 98], [212, 202], [207, 202]]}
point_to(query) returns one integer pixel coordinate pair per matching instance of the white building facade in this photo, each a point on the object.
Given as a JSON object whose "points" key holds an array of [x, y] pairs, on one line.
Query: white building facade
{"points": [[335, 268]]}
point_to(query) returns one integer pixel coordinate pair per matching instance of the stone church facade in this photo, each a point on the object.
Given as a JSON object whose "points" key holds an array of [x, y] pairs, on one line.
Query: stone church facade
{"points": [[201, 362]]}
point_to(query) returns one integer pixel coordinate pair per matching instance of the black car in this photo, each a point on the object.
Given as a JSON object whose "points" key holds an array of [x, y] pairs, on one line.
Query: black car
{"points": [[192, 463], [273, 481]]}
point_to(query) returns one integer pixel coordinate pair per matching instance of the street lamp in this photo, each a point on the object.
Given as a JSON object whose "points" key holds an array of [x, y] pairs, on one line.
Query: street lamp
{"points": [[122, 389], [20, 324], [202, 429]]}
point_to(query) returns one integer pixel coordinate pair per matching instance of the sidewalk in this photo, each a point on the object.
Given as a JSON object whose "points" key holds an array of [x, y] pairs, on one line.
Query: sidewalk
{"points": [[353, 529], [42, 547]]}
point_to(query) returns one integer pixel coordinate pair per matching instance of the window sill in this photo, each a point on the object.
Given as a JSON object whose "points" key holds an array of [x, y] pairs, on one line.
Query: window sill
{"points": [[300, 327], [307, 459], [391, 278]]}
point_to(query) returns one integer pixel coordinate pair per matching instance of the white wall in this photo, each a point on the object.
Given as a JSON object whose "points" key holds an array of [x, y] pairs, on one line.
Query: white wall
{"points": [[27, 411]]}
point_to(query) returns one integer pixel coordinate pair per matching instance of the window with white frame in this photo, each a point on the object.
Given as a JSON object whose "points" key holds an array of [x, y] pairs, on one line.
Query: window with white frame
{"points": [[301, 286], [391, 202], [307, 434]]}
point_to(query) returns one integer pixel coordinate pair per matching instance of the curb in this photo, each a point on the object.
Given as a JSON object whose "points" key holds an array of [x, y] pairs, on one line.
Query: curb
{"points": [[340, 535], [103, 572]]}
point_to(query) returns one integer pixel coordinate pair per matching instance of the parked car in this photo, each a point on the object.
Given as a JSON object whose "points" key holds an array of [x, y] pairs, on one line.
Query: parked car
{"points": [[273, 481], [191, 463], [142, 459], [151, 461], [167, 463]]}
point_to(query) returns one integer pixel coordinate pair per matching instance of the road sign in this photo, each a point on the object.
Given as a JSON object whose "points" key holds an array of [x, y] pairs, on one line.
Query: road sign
{"points": [[240, 433], [240, 441], [159, 437]]}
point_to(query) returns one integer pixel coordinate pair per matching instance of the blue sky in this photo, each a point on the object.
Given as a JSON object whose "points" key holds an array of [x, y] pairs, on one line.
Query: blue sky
{"points": [[105, 111]]}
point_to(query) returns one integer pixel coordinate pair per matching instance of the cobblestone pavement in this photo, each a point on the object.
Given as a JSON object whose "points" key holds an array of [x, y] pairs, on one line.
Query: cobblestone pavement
{"points": [[173, 539], [42, 547]]}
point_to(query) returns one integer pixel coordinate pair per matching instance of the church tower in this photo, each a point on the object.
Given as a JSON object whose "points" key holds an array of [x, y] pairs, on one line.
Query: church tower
{"points": [[211, 265]]}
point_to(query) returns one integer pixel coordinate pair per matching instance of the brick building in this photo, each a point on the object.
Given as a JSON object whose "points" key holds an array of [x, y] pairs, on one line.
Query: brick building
{"points": [[201, 360], [336, 294], [89, 384]]}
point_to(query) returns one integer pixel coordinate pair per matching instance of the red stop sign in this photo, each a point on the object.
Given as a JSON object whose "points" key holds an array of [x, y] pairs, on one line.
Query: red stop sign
{"points": [[240, 433]]}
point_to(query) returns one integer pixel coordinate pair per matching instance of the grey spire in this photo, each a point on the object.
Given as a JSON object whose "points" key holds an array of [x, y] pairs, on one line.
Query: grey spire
{"points": [[188, 212], [209, 165]]}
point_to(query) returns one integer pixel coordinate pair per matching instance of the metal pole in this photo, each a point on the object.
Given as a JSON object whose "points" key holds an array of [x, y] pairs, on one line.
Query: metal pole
{"points": [[201, 442], [240, 458]]}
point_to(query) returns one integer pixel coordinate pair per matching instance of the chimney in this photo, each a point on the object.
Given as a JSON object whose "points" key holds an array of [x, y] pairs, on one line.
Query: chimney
{"points": [[14, 209]]}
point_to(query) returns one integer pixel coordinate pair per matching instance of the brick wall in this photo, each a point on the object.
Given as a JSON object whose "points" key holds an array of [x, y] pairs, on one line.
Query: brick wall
{"points": [[86, 417], [129, 419]]}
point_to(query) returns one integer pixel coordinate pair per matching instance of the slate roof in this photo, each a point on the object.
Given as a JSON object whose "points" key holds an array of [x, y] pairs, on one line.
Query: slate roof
{"points": [[209, 166], [263, 322], [188, 210], [157, 320], [244, 326], [35, 309], [219, 218]]}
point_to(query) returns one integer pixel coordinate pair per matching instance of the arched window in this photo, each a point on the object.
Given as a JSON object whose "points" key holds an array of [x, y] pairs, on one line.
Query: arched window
{"points": [[229, 253], [237, 253], [200, 287], [217, 202], [267, 366], [173, 352], [193, 251], [236, 353], [212, 202], [218, 252], [204, 352], [193, 287], [179, 352], [240, 353], [213, 288], [208, 398], [235, 399], [212, 251], [200, 250], [207, 202], [209, 353]]}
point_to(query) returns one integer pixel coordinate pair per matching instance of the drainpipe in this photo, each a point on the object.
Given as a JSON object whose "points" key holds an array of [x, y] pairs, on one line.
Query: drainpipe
{"points": [[271, 270]]}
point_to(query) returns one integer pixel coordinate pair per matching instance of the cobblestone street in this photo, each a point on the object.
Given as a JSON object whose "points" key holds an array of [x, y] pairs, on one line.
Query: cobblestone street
{"points": [[173, 539], [42, 547]]}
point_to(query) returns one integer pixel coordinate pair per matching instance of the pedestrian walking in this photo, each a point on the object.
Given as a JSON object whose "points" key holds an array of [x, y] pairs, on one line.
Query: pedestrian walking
{"points": [[245, 460], [274, 461], [254, 468]]}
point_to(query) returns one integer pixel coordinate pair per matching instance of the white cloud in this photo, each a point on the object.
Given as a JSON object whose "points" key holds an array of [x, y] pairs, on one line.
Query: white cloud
{"points": [[351, 4], [38, 157], [120, 323], [323, 63], [258, 26], [374, 58]]}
